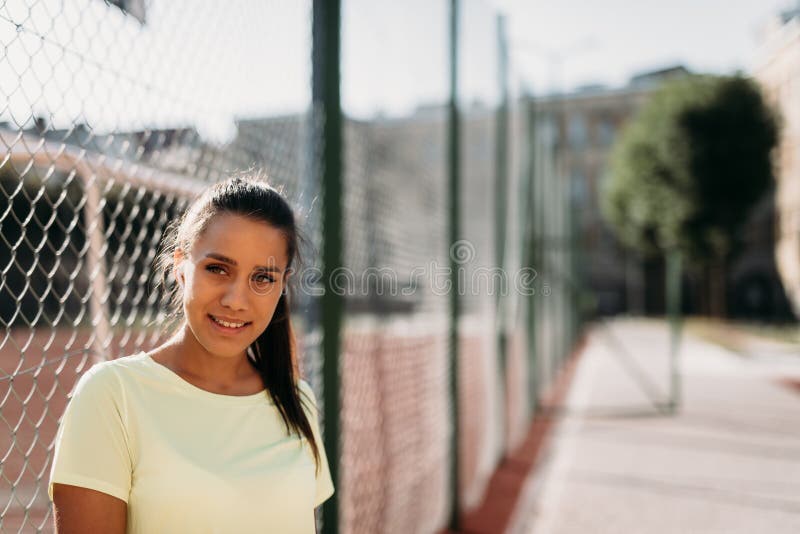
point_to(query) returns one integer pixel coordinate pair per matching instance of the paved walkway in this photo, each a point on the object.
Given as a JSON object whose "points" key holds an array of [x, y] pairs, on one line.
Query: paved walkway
{"points": [[728, 462]]}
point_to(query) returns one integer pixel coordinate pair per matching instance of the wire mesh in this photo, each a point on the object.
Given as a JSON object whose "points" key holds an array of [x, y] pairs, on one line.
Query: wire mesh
{"points": [[395, 371], [481, 390], [513, 307], [115, 115], [118, 113], [555, 318]]}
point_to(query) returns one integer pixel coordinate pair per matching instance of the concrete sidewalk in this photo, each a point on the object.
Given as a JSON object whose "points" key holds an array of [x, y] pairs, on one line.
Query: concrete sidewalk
{"points": [[728, 462]]}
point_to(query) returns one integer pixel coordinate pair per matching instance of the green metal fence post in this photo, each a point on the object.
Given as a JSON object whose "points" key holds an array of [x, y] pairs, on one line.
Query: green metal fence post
{"points": [[454, 234], [674, 275], [576, 280], [529, 247], [501, 199], [328, 118]]}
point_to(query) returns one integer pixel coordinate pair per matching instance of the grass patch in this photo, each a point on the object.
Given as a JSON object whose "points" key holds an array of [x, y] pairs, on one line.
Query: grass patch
{"points": [[744, 337]]}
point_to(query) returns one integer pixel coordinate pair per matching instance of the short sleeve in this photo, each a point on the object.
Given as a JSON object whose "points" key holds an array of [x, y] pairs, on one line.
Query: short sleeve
{"points": [[91, 449], [324, 483]]}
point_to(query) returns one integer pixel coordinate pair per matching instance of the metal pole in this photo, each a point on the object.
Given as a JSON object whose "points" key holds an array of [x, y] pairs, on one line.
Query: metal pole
{"points": [[576, 233], [328, 120], [674, 272], [455, 233], [96, 267], [529, 246], [573, 281], [501, 201]]}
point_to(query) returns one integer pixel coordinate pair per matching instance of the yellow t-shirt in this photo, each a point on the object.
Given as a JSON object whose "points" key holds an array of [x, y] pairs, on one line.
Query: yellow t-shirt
{"points": [[185, 459]]}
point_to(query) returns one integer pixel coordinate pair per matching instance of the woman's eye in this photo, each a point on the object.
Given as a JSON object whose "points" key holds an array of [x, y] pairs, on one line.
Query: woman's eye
{"points": [[263, 279], [216, 269]]}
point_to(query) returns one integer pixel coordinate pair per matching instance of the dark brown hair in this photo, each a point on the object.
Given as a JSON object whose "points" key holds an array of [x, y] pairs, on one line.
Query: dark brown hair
{"points": [[273, 353]]}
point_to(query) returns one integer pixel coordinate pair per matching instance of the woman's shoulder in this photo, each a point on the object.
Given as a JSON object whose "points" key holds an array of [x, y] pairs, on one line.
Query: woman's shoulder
{"points": [[106, 376], [307, 394], [304, 386]]}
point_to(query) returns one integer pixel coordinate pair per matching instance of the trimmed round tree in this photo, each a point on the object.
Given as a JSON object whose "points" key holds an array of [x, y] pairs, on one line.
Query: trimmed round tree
{"points": [[689, 168]]}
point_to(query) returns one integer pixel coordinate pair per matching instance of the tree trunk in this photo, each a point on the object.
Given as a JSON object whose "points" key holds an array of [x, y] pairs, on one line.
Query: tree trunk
{"points": [[634, 284], [715, 273], [654, 272]]}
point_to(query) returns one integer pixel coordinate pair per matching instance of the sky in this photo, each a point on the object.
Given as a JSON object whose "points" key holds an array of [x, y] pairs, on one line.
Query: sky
{"points": [[393, 50], [563, 44], [206, 63]]}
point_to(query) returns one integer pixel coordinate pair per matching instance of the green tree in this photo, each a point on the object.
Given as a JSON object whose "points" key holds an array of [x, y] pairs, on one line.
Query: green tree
{"points": [[688, 169]]}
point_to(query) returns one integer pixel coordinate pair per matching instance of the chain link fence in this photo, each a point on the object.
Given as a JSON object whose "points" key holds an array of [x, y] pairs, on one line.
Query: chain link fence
{"points": [[116, 114]]}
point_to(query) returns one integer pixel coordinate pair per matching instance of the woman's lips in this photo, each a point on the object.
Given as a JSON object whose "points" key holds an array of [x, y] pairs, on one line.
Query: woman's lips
{"points": [[227, 329]]}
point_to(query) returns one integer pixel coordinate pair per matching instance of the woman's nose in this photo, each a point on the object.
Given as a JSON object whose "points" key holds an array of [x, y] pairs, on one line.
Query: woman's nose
{"points": [[235, 296]]}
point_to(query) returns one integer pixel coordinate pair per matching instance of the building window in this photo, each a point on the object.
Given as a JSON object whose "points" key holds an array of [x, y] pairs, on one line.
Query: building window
{"points": [[578, 188], [605, 132], [548, 128], [576, 131]]}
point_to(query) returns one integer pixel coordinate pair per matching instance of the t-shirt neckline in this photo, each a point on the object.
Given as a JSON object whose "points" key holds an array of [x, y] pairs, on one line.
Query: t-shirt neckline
{"points": [[198, 391]]}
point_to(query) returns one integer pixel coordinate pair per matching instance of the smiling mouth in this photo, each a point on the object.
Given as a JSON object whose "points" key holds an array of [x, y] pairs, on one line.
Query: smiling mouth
{"points": [[228, 325]]}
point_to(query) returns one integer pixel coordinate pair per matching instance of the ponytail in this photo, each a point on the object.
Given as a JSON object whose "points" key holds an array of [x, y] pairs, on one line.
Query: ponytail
{"points": [[274, 357]]}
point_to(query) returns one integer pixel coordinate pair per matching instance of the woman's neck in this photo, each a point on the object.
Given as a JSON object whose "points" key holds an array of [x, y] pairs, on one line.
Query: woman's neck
{"points": [[220, 374]]}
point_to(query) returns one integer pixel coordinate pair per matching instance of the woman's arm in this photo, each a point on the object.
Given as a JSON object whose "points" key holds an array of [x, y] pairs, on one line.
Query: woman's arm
{"points": [[83, 511], [90, 477]]}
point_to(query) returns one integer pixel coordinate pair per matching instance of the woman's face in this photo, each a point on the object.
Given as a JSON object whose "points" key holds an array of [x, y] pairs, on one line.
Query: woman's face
{"points": [[232, 281]]}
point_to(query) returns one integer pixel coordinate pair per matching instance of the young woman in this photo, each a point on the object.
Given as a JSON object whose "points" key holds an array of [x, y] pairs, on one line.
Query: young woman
{"points": [[211, 432]]}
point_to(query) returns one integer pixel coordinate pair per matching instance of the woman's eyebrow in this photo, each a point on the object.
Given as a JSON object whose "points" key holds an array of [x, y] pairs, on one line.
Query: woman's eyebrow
{"points": [[231, 261]]}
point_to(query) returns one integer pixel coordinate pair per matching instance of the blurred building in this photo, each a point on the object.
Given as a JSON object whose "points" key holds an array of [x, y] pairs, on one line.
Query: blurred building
{"points": [[393, 167], [778, 71], [587, 123]]}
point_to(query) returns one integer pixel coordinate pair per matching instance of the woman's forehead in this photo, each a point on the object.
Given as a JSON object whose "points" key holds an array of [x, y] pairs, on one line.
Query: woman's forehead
{"points": [[242, 240]]}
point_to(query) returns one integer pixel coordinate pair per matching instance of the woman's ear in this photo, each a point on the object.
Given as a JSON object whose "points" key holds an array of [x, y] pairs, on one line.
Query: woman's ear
{"points": [[178, 258], [286, 274]]}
